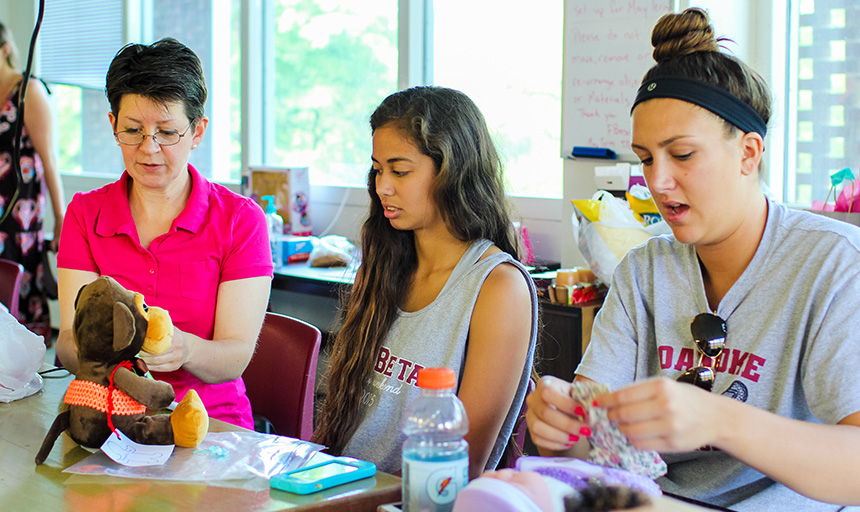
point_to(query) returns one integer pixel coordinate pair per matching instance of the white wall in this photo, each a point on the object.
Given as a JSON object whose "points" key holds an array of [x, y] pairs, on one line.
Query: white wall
{"points": [[20, 17], [578, 184]]}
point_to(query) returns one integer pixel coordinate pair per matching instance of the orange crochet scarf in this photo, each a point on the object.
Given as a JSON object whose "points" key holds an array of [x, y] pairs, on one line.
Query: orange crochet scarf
{"points": [[108, 400]]}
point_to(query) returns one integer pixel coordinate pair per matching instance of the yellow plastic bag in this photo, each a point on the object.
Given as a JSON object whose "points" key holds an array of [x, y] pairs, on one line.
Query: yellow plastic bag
{"points": [[605, 229]]}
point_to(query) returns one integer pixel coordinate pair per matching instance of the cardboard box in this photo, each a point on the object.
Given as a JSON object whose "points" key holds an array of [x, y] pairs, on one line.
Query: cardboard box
{"points": [[291, 188]]}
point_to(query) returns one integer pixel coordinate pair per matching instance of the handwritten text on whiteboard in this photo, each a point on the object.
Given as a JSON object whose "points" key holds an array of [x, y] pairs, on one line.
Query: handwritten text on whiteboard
{"points": [[607, 51]]}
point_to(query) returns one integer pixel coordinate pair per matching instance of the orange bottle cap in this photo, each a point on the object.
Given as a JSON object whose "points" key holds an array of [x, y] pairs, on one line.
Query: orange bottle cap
{"points": [[436, 378]]}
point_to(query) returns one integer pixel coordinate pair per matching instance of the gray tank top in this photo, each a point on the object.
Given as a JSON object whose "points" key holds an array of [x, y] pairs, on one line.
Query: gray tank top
{"points": [[434, 336]]}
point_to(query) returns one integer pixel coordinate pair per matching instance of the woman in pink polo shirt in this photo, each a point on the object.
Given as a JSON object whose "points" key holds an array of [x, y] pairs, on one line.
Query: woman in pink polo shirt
{"points": [[189, 246]]}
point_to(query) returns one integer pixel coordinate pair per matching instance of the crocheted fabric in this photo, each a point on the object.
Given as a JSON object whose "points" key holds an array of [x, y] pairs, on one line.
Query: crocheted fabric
{"points": [[95, 396]]}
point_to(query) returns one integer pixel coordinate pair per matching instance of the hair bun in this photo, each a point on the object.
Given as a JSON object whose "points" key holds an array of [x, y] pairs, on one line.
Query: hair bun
{"points": [[676, 35]]}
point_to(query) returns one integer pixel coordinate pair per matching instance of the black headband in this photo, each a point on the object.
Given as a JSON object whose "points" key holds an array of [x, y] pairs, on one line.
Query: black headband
{"points": [[717, 100]]}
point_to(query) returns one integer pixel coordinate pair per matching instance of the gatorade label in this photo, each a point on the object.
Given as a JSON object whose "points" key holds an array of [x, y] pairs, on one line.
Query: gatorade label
{"points": [[434, 485]]}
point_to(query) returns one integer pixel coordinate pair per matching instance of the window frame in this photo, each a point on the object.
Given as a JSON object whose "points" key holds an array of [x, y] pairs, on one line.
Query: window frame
{"points": [[765, 46]]}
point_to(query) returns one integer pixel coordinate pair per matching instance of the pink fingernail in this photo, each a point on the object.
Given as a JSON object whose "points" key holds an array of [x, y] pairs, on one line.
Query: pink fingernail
{"points": [[585, 431], [594, 403], [573, 438], [579, 411]]}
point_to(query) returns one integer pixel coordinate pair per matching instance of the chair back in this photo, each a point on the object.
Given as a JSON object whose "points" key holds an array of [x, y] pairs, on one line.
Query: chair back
{"points": [[514, 449], [11, 275], [280, 377]]}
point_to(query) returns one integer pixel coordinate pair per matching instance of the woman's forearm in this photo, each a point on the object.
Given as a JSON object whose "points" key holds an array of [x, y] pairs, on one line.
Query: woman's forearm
{"points": [[217, 361], [818, 461]]}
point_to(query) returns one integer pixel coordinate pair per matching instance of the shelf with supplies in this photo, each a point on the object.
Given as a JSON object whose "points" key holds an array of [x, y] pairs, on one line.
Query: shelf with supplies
{"points": [[566, 320], [565, 333]]}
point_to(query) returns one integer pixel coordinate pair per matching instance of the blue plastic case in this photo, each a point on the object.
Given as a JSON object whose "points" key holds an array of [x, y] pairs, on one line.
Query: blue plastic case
{"points": [[322, 476]]}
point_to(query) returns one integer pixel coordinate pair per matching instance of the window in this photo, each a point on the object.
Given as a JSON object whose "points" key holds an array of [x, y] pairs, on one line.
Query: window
{"points": [[327, 63], [514, 80], [822, 133], [324, 65], [78, 38], [86, 143], [334, 61]]}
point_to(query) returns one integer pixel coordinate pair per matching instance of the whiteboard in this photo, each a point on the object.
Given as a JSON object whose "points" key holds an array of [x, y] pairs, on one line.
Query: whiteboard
{"points": [[607, 50]]}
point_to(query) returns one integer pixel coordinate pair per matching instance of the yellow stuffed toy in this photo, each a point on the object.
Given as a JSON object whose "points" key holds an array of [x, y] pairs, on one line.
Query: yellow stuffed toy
{"points": [[111, 326]]}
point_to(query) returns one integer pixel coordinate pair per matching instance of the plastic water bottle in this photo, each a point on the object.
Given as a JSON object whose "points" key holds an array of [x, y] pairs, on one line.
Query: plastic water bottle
{"points": [[275, 224], [435, 455]]}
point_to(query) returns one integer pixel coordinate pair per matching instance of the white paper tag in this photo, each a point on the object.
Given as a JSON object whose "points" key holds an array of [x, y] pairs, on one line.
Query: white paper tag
{"points": [[128, 453]]}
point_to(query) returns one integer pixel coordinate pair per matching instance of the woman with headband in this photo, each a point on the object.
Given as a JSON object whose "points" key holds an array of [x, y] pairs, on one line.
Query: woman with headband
{"points": [[729, 344]]}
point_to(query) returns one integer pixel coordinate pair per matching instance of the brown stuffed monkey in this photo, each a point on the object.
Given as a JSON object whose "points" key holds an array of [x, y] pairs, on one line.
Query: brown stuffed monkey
{"points": [[111, 326]]}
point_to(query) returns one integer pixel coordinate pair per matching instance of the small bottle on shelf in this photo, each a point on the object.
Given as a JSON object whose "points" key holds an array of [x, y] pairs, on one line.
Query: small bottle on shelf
{"points": [[275, 224]]}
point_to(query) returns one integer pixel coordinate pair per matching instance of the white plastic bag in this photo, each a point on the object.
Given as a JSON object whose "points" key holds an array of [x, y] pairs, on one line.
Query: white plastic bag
{"points": [[604, 242], [21, 355], [332, 251]]}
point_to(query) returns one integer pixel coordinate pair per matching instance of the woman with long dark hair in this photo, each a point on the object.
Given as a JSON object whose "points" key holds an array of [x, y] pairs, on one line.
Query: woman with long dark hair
{"points": [[439, 285]]}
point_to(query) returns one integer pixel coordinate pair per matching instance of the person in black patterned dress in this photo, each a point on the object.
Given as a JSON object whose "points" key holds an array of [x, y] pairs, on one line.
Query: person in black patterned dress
{"points": [[21, 236]]}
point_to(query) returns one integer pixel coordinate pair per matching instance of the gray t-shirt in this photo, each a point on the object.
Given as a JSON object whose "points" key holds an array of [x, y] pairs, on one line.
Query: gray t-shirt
{"points": [[792, 347], [434, 336]]}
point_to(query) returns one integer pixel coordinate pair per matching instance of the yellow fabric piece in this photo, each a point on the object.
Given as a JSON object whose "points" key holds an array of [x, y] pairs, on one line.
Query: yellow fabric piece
{"points": [[621, 240]]}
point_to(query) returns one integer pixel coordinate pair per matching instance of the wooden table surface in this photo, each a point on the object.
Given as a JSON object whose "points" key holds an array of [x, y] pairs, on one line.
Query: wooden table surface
{"points": [[27, 487]]}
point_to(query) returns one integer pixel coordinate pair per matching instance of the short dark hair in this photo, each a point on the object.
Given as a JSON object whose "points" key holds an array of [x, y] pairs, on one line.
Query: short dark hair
{"points": [[166, 71]]}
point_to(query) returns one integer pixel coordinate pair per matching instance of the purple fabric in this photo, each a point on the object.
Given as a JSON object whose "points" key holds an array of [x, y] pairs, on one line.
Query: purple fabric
{"points": [[578, 473]]}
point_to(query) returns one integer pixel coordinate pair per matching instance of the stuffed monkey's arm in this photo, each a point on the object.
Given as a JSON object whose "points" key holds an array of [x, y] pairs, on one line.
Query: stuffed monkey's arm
{"points": [[154, 394]]}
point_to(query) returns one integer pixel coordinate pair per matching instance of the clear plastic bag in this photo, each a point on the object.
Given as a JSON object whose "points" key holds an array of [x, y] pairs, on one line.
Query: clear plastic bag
{"points": [[605, 228], [21, 355], [332, 251], [231, 459]]}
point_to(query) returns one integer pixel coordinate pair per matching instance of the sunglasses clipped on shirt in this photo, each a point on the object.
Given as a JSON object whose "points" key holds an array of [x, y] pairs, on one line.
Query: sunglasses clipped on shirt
{"points": [[709, 333]]}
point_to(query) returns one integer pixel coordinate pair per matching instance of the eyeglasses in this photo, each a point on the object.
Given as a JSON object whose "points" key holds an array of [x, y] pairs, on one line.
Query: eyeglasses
{"points": [[134, 136], [709, 333]]}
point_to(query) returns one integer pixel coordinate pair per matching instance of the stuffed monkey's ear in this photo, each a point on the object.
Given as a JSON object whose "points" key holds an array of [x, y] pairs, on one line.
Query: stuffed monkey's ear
{"points": [[123, 326], [78, 296]]}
